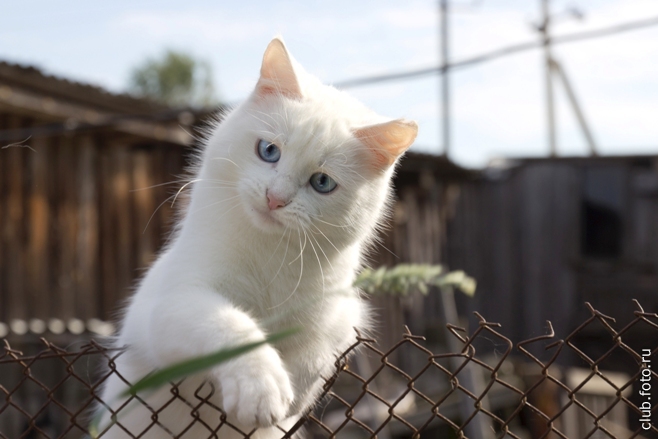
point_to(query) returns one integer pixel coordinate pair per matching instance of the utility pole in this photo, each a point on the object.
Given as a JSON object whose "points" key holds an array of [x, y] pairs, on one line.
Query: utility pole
{"points": [[445, 79], [553, 69], [544, 28], [571, 94]]}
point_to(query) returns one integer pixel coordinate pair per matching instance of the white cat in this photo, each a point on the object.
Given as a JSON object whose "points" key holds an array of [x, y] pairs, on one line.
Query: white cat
{"points": [[289, 191]]}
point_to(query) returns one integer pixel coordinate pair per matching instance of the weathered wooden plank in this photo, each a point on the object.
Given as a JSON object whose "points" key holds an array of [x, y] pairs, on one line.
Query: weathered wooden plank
{"points": [[87, 297], [644, 187], [476, 246], [13, 228], [559, 296], [497, 237], [121, 186], [537, 218], [106, 207], [67, 224], [53, 196], [38, 267], [144, 206], [4, 288]]}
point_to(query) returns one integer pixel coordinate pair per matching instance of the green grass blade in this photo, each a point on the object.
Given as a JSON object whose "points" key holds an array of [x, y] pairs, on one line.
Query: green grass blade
{"points": [[189, 367]]}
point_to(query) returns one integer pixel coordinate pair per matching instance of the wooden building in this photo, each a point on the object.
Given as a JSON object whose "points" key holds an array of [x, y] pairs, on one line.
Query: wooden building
{"points": [[543, 236], [72, 226], [83, 190], [81, 214]]}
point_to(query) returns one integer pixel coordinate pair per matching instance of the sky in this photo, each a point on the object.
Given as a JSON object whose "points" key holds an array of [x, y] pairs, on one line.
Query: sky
{"points": [[498, 107]]}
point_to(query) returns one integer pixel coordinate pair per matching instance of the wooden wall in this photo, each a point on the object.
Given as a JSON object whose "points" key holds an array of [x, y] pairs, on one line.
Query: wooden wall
{"points": [[416, 234], [74, 212], [520, 236], [73, 216]]}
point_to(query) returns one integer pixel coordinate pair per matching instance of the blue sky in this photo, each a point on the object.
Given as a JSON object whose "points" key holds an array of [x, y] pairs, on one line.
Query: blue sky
{"points": [[498, 107]]}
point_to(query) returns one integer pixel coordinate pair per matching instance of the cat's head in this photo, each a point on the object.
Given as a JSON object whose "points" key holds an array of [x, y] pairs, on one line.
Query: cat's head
{"points": [[305, 156]]}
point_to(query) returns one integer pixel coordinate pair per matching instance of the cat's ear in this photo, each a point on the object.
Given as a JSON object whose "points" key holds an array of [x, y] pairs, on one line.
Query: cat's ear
{"points": [[277, 75], [387, 141]]}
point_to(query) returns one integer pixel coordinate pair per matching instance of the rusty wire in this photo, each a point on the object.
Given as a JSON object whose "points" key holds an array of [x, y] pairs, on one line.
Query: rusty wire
{"points": [[431, 388]]}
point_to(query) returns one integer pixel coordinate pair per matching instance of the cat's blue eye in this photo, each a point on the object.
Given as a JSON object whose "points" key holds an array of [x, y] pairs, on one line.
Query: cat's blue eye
{"points": [[268, 151], [322, 183]]}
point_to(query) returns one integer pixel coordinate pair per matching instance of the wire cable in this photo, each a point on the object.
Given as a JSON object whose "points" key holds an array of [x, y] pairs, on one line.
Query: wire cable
{"points": [[65, 127], [498, 53]]}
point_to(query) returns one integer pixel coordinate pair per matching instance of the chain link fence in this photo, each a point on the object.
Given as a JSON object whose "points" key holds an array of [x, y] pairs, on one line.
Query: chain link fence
{"points": [[519, 391]]}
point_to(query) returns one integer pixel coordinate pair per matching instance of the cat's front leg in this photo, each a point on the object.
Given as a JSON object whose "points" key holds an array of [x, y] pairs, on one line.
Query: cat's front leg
{"points": [[255, 387]]}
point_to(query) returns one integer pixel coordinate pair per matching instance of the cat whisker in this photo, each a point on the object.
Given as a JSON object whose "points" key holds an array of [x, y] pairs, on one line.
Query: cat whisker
{"points": [[230, 209], [275, 138], [316, 218], [214, 184], [282, 260], [286, 118], [301, 270], [265, 114], [175, 197], [261, 120], [351, 169], [320, 140], [302, 248], [228, 160], [277, 246], [220, 202], [215, 187], [333, 270], [214, 180], [183, 187], [157, 185], [156, 211], [325, 237], [379, 242], [346, 160], [322, 250], [319, 263]]}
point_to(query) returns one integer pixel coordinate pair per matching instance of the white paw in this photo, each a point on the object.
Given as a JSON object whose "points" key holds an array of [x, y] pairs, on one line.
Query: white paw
{"points": [[256, 388]]}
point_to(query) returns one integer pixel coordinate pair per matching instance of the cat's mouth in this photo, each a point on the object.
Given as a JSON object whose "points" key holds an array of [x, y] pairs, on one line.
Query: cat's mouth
{"points": [[266, 219]]}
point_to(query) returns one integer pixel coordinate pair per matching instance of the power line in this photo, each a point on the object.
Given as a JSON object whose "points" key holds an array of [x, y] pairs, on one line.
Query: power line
{"points": [[66, 127], [498, 53]]}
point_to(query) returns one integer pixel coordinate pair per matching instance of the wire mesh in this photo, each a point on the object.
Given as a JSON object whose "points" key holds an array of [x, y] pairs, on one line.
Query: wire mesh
{"points": [[405, 391]]}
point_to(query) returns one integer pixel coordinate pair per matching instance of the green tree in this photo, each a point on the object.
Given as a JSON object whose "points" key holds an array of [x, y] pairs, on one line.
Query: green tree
{"points": [[175, 78]]}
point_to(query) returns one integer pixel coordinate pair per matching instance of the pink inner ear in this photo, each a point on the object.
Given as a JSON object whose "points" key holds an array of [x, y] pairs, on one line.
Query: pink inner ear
{"points": [[387, 141], [277, 75]]}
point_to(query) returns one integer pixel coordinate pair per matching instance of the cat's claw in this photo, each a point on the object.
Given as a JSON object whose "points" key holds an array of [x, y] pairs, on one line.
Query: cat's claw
{"points": [[256, 388]]}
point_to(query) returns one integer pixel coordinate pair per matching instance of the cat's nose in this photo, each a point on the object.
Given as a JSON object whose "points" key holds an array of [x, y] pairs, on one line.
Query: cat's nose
{"points": [[274, 202]]}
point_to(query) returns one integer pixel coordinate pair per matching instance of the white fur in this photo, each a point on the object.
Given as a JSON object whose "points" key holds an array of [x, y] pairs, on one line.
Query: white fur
{"points": [[236, 271]]}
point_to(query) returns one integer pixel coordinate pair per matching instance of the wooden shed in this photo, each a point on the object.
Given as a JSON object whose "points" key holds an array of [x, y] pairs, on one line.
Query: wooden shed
{"points": [[72, 226], [543, 236]]}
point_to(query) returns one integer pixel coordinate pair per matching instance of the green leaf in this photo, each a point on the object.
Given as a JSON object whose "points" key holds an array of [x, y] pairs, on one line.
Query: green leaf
{"points": [[189, 367], [402, 279]]}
